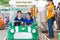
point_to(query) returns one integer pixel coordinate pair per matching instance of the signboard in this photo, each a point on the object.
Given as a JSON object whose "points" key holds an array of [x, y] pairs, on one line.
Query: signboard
{"points": [[20, 3]]}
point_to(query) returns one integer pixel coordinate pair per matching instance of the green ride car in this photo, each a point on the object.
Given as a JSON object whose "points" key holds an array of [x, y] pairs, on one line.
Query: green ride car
{"points": [[27, 32]]}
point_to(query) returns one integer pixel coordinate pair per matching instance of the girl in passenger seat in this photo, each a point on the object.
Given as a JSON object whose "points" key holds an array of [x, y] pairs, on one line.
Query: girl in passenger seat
{"points": [[28, 20]]}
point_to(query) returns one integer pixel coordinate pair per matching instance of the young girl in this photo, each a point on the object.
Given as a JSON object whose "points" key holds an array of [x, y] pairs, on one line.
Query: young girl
{"points": [[18, 18], [28, 20]]}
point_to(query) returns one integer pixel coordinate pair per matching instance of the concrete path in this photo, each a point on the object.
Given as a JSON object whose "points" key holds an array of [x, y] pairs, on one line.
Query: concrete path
{"points": [[3, 33]]}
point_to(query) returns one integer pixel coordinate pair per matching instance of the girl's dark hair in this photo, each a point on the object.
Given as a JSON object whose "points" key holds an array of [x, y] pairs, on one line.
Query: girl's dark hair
{"points": [[30, 15], [51, 1], [19, 11]]}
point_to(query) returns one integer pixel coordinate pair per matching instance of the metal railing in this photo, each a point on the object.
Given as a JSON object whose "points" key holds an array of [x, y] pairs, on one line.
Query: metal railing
{"points": [[5, 37], [44, 37]]}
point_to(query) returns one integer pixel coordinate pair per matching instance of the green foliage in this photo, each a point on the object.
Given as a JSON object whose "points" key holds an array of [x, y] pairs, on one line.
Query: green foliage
{"points": [[4, 2]]}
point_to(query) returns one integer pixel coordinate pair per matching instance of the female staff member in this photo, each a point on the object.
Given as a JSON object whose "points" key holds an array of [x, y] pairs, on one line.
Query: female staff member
{"points": [[18, 18], [28, 20], [49, 18]]}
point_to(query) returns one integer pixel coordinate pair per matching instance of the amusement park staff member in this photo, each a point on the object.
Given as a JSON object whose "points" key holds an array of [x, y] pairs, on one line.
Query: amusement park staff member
{"points": [[28, 20], [34, 11], [18, 17], [50, 15]]}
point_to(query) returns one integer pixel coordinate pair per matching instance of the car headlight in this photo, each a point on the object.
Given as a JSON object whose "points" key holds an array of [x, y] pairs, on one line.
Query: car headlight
{"points": [[33, 30], [12, 30]]}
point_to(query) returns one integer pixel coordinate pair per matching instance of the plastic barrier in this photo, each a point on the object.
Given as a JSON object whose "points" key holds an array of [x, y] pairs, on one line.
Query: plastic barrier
{"points": [[58, 36]]}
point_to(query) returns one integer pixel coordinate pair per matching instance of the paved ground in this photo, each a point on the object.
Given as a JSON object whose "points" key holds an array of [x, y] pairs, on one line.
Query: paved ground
{"points": [[3, 33], [56, 35]]}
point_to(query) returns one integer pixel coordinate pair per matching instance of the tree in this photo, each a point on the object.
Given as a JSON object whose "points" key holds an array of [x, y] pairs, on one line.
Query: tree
{"points": [[4, 2]]}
